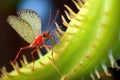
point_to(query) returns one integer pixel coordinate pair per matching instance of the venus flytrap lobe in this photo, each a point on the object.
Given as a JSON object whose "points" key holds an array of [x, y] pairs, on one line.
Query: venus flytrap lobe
{"points": [[79, 55]]}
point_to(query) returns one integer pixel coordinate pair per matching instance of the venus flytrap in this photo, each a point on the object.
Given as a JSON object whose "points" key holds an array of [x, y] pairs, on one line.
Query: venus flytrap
{"points": [[84, 49]]}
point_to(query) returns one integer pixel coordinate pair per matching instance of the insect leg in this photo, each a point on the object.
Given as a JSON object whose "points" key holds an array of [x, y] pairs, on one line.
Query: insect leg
{"points": [[53, 61], [53, 42], [33, 55], [23, 48], [52, 39]]}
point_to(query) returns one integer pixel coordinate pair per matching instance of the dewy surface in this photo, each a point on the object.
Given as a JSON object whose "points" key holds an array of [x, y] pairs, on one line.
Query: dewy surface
{"points": [[90, 44]]}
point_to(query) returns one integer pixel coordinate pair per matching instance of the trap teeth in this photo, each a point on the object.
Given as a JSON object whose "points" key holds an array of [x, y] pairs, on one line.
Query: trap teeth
{"points": [[70, 10], [22, 63], [39, 54], [68, 15], [58, 35], [112, 60], [58, 28], [64, 22], [97, 73], [4, 72], [76, 4], [64, 77], [25, 59], [105, 70], [80, 2], [16, 67], [92, 76]]}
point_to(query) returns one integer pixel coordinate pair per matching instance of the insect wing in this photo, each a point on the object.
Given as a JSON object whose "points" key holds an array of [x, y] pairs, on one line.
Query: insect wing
{"points": [[22, 27], [32, 18]]}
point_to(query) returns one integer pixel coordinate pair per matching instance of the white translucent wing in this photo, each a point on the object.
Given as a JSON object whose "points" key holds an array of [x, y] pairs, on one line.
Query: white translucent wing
{"points": [[22, 27], [32, 18]]}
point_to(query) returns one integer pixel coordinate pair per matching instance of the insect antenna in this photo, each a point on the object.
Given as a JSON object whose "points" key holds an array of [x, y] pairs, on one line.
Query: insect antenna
{"points": [[49, 25], [49, 20]]}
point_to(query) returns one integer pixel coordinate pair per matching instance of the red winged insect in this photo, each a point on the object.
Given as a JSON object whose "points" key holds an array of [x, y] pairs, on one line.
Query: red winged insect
{"points": [[28, 25]]}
